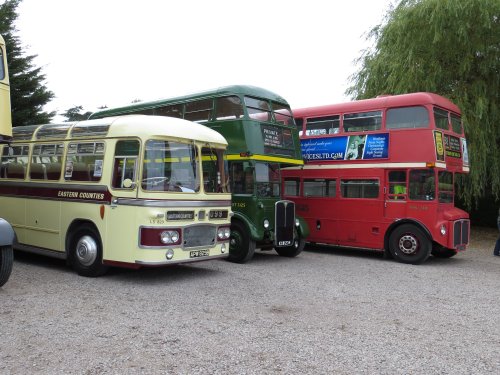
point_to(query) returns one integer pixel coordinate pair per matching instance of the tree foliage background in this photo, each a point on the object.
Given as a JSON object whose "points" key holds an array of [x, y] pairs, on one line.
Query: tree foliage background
{"points": [[452, 48], [27, 88]]}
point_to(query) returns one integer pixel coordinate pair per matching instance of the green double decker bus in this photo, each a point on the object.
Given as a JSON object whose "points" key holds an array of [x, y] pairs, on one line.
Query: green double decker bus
{"points": [[263, 138]]}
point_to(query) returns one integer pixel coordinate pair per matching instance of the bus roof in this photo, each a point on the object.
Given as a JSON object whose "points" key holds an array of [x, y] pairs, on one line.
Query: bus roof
{"points": [[383, 101], [2, 41], [130, 125], [221, 91]]}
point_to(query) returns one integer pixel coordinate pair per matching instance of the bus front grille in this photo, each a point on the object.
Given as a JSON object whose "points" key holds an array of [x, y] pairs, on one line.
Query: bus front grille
{"points": [[199, 235], [461, 231], [284, 223]]}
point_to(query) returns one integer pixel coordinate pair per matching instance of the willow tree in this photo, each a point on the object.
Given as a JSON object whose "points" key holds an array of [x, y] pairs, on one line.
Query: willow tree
{"points": [[452, 48]]}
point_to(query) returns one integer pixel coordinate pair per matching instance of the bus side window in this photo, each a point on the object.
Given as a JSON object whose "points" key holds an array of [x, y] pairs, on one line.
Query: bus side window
{"points": [[125, 164], [84, 161], [14, 161], [397, 185]]}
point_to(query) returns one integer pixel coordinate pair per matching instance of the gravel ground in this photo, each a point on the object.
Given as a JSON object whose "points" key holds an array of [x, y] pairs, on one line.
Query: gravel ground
{"points": [[326, 311]]}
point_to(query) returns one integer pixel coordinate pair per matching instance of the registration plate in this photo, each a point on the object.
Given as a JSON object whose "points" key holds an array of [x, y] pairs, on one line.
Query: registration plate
{"points": [[199, 253]]}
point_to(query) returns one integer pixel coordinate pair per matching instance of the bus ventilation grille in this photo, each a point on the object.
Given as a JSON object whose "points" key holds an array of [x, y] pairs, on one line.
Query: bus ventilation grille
{"points": [[199, 235], [461, 230]]}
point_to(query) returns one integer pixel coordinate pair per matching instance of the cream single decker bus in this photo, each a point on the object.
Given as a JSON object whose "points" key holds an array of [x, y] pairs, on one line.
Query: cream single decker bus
{"points": [[127, 191]]}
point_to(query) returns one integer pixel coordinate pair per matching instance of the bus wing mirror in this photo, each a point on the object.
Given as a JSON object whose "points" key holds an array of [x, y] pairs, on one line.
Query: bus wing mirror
{"points": [[128, 184]]}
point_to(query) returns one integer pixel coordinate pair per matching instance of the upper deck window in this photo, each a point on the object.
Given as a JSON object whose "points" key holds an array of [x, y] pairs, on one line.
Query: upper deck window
{"points": [[323, 125], [407, 118], [174, 110], [456, 124], [199, 111], [2, 67], [228, 108], [283, 114], [365, 121], [441, 119], [258, 109]]}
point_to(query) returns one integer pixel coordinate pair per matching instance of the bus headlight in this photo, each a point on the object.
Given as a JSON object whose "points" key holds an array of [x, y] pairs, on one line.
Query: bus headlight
{"points": [[169, 237], [223, 233], [266, 223], [443, 230], [297, 223]]}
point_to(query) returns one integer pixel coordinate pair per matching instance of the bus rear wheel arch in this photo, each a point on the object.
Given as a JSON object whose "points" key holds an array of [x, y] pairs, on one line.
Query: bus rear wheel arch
{"points": [[409, 244], [85, 251]]}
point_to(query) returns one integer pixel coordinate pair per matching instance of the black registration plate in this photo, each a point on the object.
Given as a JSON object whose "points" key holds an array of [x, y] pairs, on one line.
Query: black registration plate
{"points": [[199, 253]]}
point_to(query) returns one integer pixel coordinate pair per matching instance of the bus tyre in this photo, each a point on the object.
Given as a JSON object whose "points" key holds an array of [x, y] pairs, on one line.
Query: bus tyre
{"points": [[86, 252], [241, 246], [292, 251], [409, 244], [6, 260], [439, 251]]}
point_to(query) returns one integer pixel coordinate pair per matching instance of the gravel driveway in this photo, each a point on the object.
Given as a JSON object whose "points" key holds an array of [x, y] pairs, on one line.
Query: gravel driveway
{"points": [[326, 311]]}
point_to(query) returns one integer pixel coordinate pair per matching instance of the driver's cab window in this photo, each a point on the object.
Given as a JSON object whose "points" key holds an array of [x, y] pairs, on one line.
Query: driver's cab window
{"points": [[125, 164], [241, 178]]}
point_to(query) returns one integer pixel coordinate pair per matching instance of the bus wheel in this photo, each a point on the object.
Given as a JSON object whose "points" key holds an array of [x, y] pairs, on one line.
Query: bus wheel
{"points": [[409, 244], [86, 252], [439, 251], [292, 251], [241, 246], [6, 260]]}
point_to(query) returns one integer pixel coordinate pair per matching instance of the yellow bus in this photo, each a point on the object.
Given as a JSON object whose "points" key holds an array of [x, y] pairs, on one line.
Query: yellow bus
{"points": [[6, 232], [127, 191]]}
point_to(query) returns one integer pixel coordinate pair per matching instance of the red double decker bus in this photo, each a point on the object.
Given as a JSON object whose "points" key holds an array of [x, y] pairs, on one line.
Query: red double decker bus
{"points": [[379, 174]]}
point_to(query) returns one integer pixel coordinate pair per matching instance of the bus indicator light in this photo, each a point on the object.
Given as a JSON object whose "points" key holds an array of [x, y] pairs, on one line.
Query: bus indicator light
{"points": [[102, 211]]}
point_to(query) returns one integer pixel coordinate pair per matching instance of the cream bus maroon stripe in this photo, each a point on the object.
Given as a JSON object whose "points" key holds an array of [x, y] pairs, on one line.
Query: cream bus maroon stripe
{"points": [[170, 203], [62, 192]]}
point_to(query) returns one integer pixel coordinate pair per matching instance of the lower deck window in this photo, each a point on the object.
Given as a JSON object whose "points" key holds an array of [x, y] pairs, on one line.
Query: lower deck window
{"points": [[359, 188]]}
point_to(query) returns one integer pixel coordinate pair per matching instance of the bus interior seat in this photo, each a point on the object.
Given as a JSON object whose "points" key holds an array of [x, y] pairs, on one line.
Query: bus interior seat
{"points": [[15, 170], [38, 171], [54, 171], [80, 172]]}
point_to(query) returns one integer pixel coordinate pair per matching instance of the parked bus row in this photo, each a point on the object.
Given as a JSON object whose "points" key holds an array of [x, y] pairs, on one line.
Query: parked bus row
{"points": [[133, 191]]}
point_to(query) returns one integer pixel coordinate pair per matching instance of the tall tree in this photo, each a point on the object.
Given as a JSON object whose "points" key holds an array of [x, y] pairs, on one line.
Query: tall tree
{"points": [[452, 48], [28, 92]]}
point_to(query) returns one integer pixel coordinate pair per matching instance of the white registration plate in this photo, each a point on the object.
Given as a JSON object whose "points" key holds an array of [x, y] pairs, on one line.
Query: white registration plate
{"points": [[199, 253]]}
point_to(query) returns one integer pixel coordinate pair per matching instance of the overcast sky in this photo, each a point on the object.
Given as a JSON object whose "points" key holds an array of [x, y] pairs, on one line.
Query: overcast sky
{"points": [[111, 52]]}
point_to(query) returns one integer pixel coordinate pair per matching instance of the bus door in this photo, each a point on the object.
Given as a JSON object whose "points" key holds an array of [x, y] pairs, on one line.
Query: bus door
{"points": [[318, 208], [5, 114], [360, 209], [395, 194], [124, 189]]}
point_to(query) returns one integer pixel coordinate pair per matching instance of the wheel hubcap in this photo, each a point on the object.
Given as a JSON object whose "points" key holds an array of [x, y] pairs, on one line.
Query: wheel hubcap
{"points": [[408, 244], [86, 250]]}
